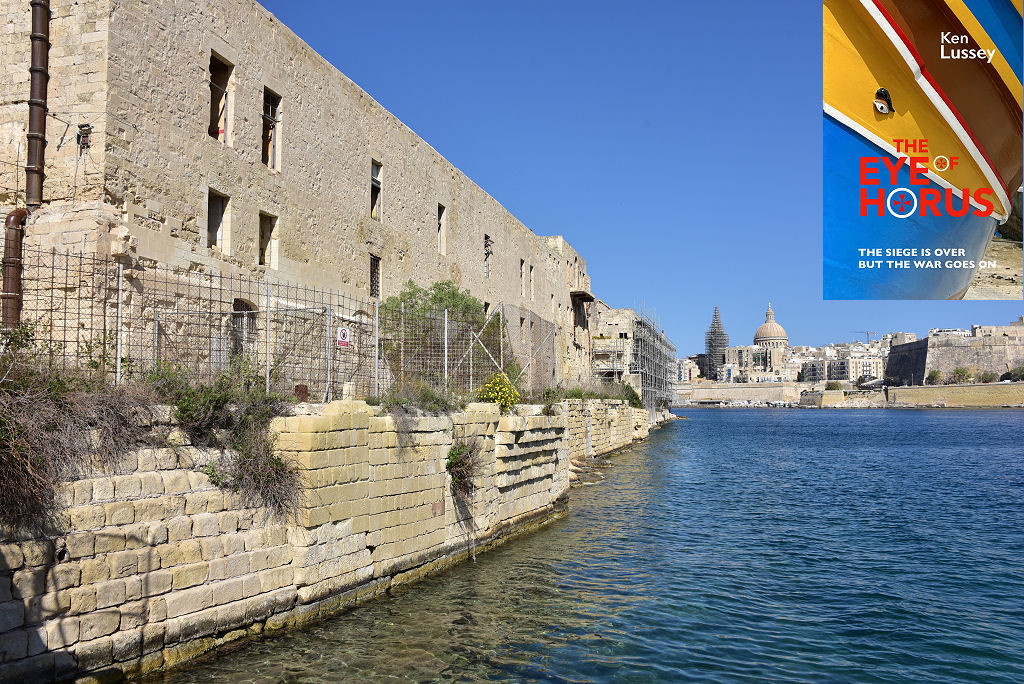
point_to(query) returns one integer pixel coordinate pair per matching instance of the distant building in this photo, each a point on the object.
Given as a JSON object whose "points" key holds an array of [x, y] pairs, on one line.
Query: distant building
{"points": [[998, 349], [628, 347], [771, 334]]}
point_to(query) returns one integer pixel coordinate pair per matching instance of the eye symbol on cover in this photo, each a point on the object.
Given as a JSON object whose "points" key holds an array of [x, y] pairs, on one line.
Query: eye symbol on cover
{"points": [[883, 102]]}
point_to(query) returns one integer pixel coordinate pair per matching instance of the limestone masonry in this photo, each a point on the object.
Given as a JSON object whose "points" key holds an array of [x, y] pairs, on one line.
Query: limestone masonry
{"points": [[221, 142], [156, 565]]}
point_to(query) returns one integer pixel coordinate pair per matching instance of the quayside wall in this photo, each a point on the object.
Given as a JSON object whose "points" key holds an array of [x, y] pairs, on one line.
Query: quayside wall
{"points": [[156, 565], [989, 395]]}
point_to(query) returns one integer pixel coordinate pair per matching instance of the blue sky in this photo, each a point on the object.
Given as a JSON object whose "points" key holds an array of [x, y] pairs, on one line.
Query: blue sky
{"points": [[676, 145]]}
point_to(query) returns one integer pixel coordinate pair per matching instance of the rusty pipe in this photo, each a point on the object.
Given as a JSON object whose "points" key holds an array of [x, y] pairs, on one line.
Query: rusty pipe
{"points": [[10, 298], [39, 78]]}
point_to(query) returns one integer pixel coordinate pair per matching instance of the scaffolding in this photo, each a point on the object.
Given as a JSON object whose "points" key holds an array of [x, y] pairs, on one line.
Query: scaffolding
{"points": [[716, 341], [653, 359]]}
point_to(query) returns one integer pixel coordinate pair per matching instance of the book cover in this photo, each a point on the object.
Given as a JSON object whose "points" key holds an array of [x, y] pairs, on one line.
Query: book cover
{"points": [[921, 144]]}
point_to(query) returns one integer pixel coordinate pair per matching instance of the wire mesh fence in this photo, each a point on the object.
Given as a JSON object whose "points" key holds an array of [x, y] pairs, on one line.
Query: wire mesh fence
{"points": [[97, 314]]}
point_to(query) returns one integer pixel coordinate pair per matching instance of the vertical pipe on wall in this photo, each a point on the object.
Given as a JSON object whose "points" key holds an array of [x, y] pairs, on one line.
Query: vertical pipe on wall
{"points": [[39, 78]]}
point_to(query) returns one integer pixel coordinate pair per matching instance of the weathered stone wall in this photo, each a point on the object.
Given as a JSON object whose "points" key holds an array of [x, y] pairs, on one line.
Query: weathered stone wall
{"points": [[161, 565], [139, 73], [982, 395], [597, 426], [763, 392], [910, 363]]}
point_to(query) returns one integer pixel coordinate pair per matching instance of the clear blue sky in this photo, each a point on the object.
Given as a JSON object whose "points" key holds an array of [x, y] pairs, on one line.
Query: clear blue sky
{"points": [[676, 145]]}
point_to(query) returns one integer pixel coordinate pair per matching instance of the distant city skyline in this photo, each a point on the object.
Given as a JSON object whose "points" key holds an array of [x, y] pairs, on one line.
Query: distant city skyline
{"points": [[684, 176]]}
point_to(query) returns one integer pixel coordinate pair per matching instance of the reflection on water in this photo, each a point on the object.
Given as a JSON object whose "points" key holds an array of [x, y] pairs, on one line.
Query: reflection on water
{"points": [[735, 546]]}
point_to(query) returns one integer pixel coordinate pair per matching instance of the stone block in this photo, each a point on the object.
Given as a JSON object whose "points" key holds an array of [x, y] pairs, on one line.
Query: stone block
{"points": [[100, 623], [179, 528], [11, 557], [46, 606], [37, 552], [80, 544], [13, 645], [102, 489], [176, 481], [61, 632], [87, 517], [81, 600], [110, 593], [205, 525], [148, 510], [63, 576], [188, 601], [156, 582], [28, 582], [94, 570], [127, 487], [109, 539], [123, 563], [92, 655], [191, 550], [127, 645], [185, 576], [152, 484]]}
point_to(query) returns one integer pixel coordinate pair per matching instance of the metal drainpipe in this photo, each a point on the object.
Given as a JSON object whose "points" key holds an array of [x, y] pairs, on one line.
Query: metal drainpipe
{"points": [[10, 298], [40, 77]]}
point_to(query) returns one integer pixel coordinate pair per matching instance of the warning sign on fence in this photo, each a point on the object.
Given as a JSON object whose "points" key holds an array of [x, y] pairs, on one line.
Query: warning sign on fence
{"points": [[343, 335]]}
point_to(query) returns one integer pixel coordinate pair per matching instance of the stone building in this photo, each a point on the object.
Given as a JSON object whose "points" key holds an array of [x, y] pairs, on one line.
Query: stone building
{"points": [[216, 140], [999, 349], [628, 347], [771, 335]]}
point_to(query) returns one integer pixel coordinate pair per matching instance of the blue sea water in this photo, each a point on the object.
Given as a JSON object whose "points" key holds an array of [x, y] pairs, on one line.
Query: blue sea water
{"points": [[736, 546]]}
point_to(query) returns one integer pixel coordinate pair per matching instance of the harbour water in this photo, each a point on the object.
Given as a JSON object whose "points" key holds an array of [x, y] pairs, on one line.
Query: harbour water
{"points": [[738, 545]]}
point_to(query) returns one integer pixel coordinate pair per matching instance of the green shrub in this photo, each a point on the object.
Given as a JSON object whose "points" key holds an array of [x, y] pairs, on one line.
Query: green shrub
{"points": [[960, 375], [416, 394], [1017, 374], [934, 377], [833, 385], [630, 395], [463, 464], [988, 376]]}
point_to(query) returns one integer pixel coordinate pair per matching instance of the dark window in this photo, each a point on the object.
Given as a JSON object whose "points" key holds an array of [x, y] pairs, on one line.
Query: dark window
{"points": [[442, 230], [487, 255], [522, 278], [220, 76], [271, 128], [375, 174], [374, 276], [243, 326], [216, 218], [268, 224]]}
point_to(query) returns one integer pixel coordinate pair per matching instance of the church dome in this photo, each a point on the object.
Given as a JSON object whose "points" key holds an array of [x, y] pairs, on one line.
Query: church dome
{"points": [[771, 334]]}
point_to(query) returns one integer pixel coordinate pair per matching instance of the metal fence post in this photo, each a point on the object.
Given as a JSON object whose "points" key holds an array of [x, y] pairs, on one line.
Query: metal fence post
{"points": [[117, 361], [401, 355], [446, 347], [266, 339], [156, 337], [330, 356], [376, 349]]}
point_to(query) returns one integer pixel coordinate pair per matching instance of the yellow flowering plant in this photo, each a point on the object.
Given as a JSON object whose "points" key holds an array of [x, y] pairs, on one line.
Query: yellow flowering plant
{"points": [[500, 390]]}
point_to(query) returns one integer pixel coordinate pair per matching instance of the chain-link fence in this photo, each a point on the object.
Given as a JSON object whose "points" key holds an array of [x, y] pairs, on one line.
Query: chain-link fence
{"points": [[118, 318]]}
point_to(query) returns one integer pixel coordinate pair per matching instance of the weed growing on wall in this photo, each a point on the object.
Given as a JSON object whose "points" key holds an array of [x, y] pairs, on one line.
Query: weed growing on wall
{"points": [[417, 394], [463, 464], [499, 390], [599, 390], [55, 427], [233, 413]]}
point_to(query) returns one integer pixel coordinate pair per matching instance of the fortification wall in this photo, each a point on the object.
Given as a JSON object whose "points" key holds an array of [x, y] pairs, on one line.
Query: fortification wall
{"points": [[156, 565], [982, 395]]}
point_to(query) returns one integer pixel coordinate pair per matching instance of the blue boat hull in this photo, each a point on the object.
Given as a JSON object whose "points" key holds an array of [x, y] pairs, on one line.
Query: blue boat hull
{"points": [[846, 232]]}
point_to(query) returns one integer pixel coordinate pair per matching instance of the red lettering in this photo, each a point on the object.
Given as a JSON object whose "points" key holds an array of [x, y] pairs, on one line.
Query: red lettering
{"points": [[980, 198], [965, 205], [865, 170], [930, 197], [865, 201], [893, 169], [917, 171]]}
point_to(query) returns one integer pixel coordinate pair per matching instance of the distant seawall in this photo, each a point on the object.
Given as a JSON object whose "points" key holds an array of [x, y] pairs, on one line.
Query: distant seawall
{"points": [[982, 395]]}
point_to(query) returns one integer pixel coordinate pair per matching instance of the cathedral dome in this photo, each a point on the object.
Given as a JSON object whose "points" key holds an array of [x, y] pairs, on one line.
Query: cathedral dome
{"points": [[771, 334]]}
